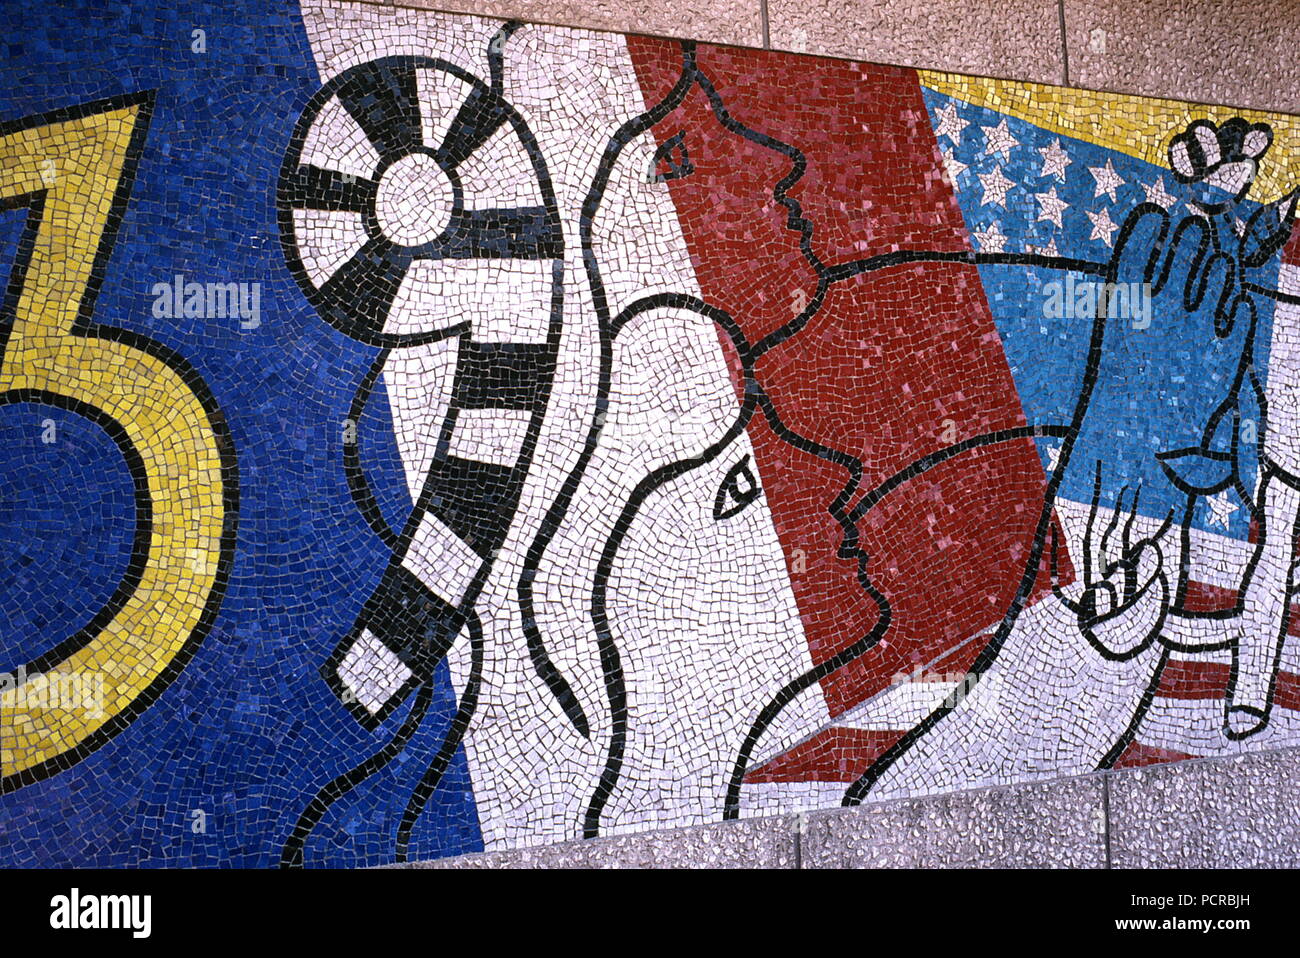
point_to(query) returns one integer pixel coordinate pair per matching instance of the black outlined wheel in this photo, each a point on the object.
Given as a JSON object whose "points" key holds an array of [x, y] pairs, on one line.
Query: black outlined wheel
{"points": [[404, 170]]}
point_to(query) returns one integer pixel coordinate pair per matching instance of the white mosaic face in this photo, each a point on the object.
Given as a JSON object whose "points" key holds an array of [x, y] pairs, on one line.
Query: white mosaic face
{"points": [[667, 525], [697, 596]]}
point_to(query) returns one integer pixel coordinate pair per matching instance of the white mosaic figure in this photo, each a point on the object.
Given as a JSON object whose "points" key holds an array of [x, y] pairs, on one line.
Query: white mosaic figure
{"points": [[661, 616], [694, 598]]}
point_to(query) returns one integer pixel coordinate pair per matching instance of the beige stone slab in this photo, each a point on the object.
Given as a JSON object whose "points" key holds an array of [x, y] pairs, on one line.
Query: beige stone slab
{"points": [[1238, 55], [1015, 39], [752, 843], [716, 21], [1058, 823], [1241, 812]]}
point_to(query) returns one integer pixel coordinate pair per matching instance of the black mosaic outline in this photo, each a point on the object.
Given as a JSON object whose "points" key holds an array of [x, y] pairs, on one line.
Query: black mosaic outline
{"points": [[611, 662], [460, 723], [731, 499], [1197, 281], [827, 275], [555, 514], [755, 398]]}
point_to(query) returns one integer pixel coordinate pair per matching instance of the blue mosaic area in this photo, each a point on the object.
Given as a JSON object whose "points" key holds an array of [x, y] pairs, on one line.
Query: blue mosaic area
{"points": [[1066, 197], [249, 726]]}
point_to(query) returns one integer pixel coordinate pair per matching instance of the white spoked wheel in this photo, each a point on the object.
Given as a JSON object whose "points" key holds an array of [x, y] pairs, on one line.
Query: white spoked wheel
{"points": [[411, 187]]}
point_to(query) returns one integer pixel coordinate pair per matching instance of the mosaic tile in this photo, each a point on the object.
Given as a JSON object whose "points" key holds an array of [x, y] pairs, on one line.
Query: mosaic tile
{"points": [[424, 434]]}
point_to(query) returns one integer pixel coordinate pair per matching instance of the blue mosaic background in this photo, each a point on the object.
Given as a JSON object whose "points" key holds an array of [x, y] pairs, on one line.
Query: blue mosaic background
{"points": [[248, 732], [1047, 355]]}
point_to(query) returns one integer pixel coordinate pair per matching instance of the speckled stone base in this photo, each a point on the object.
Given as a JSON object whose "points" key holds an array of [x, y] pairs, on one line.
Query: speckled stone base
{"points": [[1240, 812]]}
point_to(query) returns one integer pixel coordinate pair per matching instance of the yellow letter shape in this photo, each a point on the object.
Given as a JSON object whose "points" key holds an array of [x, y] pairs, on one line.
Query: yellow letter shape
{"points": [[74, 169]]}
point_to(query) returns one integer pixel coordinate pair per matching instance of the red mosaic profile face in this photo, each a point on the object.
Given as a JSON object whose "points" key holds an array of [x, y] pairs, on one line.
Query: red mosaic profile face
{"points": [[889, 365]]}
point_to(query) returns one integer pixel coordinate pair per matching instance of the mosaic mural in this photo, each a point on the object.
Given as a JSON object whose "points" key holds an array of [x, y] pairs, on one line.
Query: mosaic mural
{"points": [[424, 433]]}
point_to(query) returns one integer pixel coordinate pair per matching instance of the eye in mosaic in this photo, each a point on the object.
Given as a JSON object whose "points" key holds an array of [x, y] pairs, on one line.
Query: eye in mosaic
{"points": [[423, 433]]}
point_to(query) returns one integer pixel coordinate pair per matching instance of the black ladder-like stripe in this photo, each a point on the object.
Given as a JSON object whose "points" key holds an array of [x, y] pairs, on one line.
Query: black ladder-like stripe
{"points": [[480, 116], [475, 500], [317, 188], [361, 292], [503, 375]]}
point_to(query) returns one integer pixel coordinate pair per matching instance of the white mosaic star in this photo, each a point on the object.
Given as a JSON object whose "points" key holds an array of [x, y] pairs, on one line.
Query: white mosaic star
{"points": [[950, 124], [991, 239], [954, 166], [995, 187], [1108, 181], [1048, 250], [1221, 508], [1050, 207], [998, 139], [1053, 457], [1055, 160], [1157, 194], [1102, 225]]}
